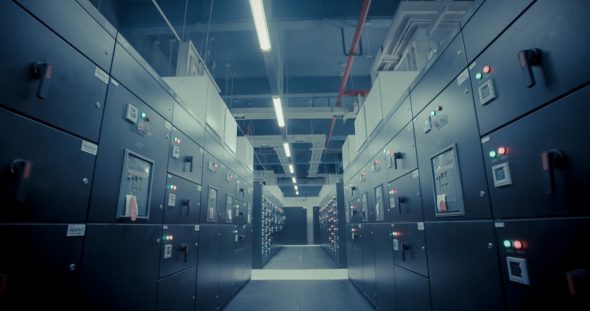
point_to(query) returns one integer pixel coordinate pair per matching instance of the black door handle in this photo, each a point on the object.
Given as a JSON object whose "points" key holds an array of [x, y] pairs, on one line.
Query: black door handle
{"points": [[184, 249], [404, 247], [399, 200], [527, 59], [551, 159], [188, 160], [21, 169], [396, 156], [188, 204], [44, 72]]}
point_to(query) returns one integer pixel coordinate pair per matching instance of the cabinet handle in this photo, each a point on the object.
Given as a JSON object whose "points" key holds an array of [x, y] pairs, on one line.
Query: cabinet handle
{"points": [[44, 72], [527, 59], [551, 159], [21, 169]]}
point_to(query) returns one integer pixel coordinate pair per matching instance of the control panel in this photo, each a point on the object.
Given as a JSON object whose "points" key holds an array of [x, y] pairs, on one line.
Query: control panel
{"points": [[447, 183], [136, 184]]}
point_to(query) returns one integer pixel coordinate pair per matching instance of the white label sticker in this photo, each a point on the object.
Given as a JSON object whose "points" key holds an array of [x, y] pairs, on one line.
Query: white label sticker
{"points": [[76, 230], [197, 228], [89, 147], [236, 238], [415, 174], [171, 199], [132, 113], [472, 65], [101, 75], [199, 188], [421, 226], [114, 82], [485, 139], [499, 224], [168, 125], [165, 227], [176, 152], [463, 77]]}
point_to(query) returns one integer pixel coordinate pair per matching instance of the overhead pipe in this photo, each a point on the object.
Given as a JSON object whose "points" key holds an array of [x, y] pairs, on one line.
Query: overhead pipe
{"points": [[355, 43]]}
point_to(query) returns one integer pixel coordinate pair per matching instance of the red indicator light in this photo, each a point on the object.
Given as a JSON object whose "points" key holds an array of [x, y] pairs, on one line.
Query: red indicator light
{"points": [[171, 238], [517, 244], [502, 151], [486, 69]]}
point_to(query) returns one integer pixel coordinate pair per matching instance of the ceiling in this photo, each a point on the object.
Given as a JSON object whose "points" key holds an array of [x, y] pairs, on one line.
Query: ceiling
{"points": [[307, 38]]}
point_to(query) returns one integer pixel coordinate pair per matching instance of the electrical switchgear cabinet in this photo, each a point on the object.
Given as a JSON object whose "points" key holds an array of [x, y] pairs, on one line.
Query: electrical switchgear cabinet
{"points": [[49, 186], [39, 263], [37, 76], [529, 65], [177, 291], [124, 274], [132, 134], [540, 156]]}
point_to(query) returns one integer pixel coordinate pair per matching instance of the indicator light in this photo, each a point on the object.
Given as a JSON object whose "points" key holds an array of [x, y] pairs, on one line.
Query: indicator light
{"points": [[171, 238], [143, 115], [492, 154], [507, 243], [433, 113], [502, 151], [174, 188], [478, 76], [517, 244], [487, 69]]}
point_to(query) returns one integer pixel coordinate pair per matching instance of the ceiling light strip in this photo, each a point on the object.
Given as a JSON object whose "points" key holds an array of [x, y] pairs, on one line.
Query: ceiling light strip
{"points": [[260, 23]]}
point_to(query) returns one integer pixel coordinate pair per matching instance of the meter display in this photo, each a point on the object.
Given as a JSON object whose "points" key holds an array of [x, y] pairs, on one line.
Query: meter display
{"points": [[136, 184]]}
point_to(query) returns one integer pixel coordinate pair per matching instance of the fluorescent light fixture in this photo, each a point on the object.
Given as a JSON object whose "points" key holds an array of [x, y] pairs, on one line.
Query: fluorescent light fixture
{"points": [[291, 169], [287, 149], [296, 188], [276, 101], [294, 180], [260, 23]]}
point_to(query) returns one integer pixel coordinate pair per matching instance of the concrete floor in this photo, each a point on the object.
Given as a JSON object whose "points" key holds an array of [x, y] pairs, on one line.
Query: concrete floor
{"points": [[275, 293]]}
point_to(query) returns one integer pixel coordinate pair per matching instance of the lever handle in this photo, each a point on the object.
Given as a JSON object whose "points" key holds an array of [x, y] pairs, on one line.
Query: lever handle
{"points": [[399, 200], [44, 72], [527, 59], [21, 169], [188, 160], [404, 247], [184, 249], [551, 159], [396, 156], [188, 204]]}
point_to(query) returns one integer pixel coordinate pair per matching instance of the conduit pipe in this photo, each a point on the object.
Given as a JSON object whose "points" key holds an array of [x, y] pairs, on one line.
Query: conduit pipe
{"points": [[355, 42]]}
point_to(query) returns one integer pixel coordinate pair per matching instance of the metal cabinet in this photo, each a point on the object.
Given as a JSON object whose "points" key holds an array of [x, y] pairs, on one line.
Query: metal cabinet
{"points": [[545, 263], [528, 66], [131, 165], [120, 266], [404, 202], [463, 266], [179, 248], [177, 291], [185, 157], [538, 167], [452, 175], [47, 174], [183, 201], [409, 247], [412, 291], [42, 262], [45, 78]]}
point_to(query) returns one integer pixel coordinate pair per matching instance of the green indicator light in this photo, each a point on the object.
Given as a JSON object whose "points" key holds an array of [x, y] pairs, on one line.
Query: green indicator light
{"points": [[507, 243], [143, 115], [433, 113], [478, 76], [492, 154]]}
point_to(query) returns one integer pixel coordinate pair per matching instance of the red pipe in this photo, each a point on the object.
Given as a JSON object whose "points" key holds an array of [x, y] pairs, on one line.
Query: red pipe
{"points": [[355, 42]]}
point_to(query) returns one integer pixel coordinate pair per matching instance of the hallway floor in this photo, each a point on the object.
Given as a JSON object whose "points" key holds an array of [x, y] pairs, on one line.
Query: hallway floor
{"points": [[299, 278]]}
